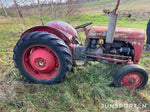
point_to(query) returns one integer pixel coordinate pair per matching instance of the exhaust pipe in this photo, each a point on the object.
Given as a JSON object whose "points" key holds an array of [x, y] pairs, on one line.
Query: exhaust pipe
{"points": [[112, 25]]}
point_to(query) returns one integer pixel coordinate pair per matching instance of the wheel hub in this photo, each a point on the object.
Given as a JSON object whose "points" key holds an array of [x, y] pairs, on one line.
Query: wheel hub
{"points": [[42, 60], [132, 80], [41, 63]]}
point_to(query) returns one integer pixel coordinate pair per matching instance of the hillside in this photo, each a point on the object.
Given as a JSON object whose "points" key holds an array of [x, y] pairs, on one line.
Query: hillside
{"points": [[136, 7], [125, 4], [97, 3]]}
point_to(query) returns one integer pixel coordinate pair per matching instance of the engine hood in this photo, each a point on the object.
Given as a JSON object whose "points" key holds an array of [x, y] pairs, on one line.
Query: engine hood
{"points": [[125, 33]]}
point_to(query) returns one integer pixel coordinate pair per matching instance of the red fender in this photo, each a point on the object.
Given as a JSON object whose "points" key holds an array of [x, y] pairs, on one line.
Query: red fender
{"points": [[63, 26], [64, 36], [61, 29]]}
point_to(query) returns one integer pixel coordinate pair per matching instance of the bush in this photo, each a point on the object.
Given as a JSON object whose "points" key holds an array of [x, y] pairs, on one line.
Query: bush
{"points": [[9, 12]]}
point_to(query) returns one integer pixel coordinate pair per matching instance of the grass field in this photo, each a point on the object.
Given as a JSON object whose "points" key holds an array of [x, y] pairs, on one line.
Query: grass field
{"points": [[85, 89], [125, 4], [97, 3], [135, 5]]}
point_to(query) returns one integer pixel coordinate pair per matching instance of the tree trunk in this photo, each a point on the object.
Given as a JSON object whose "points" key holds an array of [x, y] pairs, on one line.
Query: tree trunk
{"points": [[18, 10], [69, 10], [6, 15], [69, 7], [52, 9], [41, 12]]}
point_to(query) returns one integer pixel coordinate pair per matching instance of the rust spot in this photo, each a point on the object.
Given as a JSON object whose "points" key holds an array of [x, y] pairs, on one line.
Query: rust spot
{"points": [[127, 33], [63, 26], [134, 43]]}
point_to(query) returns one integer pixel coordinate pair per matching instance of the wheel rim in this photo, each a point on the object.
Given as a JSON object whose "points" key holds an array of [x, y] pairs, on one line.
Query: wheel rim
{"points": [[41, 62], [132, 80]]}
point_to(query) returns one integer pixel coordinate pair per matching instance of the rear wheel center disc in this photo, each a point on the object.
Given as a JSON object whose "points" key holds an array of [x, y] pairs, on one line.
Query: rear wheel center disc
{"points": [[42, 60]]}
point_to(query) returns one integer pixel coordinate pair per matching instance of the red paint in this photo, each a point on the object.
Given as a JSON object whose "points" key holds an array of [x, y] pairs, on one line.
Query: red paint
{"points": [[124, 33], [118, 3], [135, 37], [41, 62], [65, 27], [64, 36], [132, 80], [110, 59]]}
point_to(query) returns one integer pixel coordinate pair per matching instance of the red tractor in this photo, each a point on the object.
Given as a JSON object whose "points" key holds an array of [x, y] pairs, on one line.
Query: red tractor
{"points": [[45, 54]]}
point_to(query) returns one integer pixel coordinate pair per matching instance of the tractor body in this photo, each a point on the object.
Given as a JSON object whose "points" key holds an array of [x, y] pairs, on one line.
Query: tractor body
{"points": [[127, 45], [126, 48], [45, 54]]}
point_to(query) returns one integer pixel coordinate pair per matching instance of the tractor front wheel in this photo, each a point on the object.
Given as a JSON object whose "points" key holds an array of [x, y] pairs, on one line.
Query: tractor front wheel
{"points": [[131, 76], [42, 57]]}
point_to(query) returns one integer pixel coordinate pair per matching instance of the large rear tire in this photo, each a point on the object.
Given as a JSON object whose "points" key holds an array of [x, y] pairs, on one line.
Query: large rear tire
{"points": [[131, 76], [42, 57]]}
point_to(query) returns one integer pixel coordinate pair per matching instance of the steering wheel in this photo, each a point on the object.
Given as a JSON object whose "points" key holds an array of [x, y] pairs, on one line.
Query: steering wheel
{"points": [[83, 25]]}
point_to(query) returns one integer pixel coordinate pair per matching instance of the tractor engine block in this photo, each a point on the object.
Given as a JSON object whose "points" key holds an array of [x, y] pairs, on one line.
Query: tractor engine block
{"points": [[120, 48], [93, 48], [90, 46]]}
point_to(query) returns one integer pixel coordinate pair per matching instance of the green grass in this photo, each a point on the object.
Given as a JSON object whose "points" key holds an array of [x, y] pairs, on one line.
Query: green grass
{"points": [[97, 3], [85, 89], [135, 5], [9, 13]]}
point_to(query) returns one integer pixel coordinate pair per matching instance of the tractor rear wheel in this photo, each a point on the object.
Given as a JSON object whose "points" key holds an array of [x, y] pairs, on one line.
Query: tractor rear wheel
{"points": [[131, 76], [42, 57]]}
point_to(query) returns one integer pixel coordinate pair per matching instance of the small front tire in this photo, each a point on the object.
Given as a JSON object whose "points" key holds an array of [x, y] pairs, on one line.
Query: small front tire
{"points": [[131, 76]]}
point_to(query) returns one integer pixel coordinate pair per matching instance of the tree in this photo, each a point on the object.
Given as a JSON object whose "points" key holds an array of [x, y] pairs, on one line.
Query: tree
{"points": [[72, 7], [40, 11], [52, 9], [17, 7], [6, 15]]}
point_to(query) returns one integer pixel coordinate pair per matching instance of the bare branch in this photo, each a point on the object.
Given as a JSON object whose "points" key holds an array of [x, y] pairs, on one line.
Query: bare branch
{"points": [[6, 15], [41, 11], [18, 10]]}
